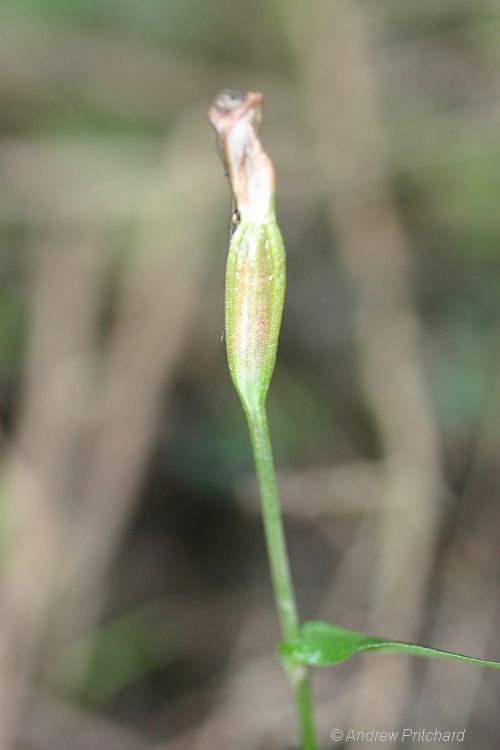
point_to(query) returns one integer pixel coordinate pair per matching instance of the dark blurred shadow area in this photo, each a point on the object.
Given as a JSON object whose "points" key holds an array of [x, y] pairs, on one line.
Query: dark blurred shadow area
{"points": [[135, 602]]}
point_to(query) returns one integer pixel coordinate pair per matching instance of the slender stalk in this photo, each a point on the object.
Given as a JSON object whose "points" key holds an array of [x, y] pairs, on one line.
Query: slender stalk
{"points": [[280, 567], [255, 293], [273, 525]]}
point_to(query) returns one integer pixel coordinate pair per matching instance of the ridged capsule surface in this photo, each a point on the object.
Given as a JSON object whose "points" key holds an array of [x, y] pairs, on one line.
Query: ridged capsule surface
{"points": [[255, 291]]}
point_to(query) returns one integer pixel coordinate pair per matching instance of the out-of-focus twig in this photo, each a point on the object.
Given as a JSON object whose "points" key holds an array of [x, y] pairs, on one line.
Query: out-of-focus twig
{"points": [[157, 300], [39, 465], [66, 396]]}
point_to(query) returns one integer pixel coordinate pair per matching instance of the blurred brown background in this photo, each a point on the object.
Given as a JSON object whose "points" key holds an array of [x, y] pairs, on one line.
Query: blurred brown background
{"points": [[135, 603]]}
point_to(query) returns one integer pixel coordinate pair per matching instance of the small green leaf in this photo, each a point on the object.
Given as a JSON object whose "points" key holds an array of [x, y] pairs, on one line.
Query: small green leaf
{"points": [[321, 644]]}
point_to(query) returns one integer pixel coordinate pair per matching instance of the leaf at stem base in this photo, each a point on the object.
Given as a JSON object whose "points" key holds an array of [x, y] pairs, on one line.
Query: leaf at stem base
{"points": [[321, 644]]}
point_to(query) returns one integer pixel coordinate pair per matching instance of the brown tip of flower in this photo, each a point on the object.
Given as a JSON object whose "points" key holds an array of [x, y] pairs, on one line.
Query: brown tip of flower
{"points": [[227, 100], [236, 119], [230, 107]]}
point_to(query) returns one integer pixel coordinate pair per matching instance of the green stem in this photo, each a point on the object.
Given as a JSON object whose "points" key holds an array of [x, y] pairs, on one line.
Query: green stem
{"points": [[280, 567]]}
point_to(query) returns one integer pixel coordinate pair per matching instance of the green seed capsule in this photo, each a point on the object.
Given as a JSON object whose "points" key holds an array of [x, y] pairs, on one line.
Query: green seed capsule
{"points": [[255, 273], [255, 291]]}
